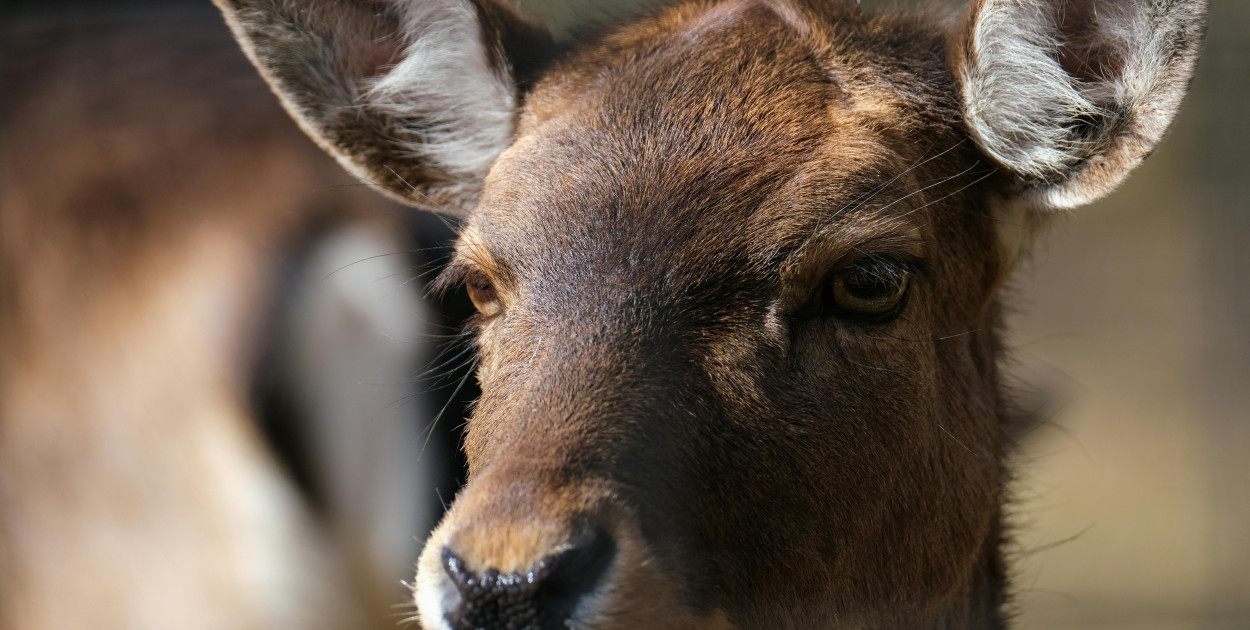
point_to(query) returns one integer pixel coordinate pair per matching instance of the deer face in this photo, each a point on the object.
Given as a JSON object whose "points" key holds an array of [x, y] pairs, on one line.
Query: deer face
{"points": [[711, 334], [736, 270]]}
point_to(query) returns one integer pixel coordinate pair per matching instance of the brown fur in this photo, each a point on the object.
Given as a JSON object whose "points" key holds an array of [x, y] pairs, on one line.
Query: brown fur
{"points": [[675, 193], [648, 342]]}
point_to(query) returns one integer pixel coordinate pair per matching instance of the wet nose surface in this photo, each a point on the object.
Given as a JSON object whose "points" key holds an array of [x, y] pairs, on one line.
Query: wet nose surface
{"points": [[543, 598]]}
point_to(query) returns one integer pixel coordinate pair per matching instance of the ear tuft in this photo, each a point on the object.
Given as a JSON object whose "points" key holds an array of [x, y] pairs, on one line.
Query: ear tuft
{"points": [[1071, 95], [415, 96]]}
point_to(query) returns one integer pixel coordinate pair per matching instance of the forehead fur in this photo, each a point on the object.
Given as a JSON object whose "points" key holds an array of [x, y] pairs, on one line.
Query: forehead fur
{"points": [[698, 123]]}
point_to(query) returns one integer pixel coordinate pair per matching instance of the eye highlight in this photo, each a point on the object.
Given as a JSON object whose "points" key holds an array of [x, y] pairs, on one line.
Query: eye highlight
{"points": [[872, 290], [483, 294]]}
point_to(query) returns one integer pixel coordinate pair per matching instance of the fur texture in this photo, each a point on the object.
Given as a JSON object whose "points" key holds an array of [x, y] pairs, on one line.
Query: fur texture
{"points": [[411, 96], [1071, 96]]}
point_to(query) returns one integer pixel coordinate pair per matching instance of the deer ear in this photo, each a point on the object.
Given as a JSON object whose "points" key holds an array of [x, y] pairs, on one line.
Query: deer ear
{"points": [[416, 96], [1070, 95]]}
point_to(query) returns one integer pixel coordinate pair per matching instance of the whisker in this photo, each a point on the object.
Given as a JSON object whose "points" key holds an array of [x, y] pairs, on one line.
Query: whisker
{"points": [[434, 423], [442, 211], [877, 190], [933, 185], [952, 436], [420, 276], [425, 337], [1058, 543], [961, 189], [437, 369], [967, 332], [375, 257], [411, 188]]}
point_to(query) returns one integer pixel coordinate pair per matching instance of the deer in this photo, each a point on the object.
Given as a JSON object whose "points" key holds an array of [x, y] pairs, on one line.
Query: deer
{"points": [[737, 268], [738, 271]]}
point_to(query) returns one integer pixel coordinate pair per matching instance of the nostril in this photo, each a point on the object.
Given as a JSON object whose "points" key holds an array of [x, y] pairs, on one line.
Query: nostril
{"points": [[575, 572], [542, 598]]}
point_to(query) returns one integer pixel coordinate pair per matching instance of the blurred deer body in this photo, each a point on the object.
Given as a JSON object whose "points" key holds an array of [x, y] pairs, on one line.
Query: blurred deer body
{"points": [[152, 197]]}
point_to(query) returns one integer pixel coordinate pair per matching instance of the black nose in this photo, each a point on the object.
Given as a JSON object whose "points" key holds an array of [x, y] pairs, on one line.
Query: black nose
{"points": [[542, 598]]}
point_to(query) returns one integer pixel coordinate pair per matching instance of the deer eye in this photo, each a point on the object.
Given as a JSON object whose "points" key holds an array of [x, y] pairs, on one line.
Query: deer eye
{"points": [[482, 293], [871, 290]]}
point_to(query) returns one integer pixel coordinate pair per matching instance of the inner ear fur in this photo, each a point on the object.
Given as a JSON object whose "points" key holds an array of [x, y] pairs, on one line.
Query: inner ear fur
{"points": [[1071, 95], [417, 97]]}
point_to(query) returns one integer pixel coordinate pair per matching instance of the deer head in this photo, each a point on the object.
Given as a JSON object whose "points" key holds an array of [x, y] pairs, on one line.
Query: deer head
{"points": [[737, 268]]}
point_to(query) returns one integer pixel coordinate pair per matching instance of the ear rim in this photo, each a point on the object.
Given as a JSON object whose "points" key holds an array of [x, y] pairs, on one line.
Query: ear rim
{"points": [[397, 130], [1130, 126]]}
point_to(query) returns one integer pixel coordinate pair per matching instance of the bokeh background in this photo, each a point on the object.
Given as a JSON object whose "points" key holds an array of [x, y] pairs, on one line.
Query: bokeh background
{"points": [[1133, 320]]}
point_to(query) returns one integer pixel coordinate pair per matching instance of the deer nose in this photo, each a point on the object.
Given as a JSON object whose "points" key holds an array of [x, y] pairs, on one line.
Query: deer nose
{"points": [[542, 598]]}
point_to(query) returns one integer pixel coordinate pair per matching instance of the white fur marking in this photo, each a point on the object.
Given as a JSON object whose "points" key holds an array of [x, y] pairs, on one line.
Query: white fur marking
{"points": [[1025, 110], [445, 80], [1019, 100], [435, 596]]}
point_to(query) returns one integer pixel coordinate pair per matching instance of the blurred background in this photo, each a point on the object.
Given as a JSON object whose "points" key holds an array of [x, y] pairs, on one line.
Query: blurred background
{"points": [[1132, 501]]}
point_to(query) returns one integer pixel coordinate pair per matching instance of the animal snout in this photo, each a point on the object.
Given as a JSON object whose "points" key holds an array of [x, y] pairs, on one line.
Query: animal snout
{"points": [[518, 550], [543, 596]]}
